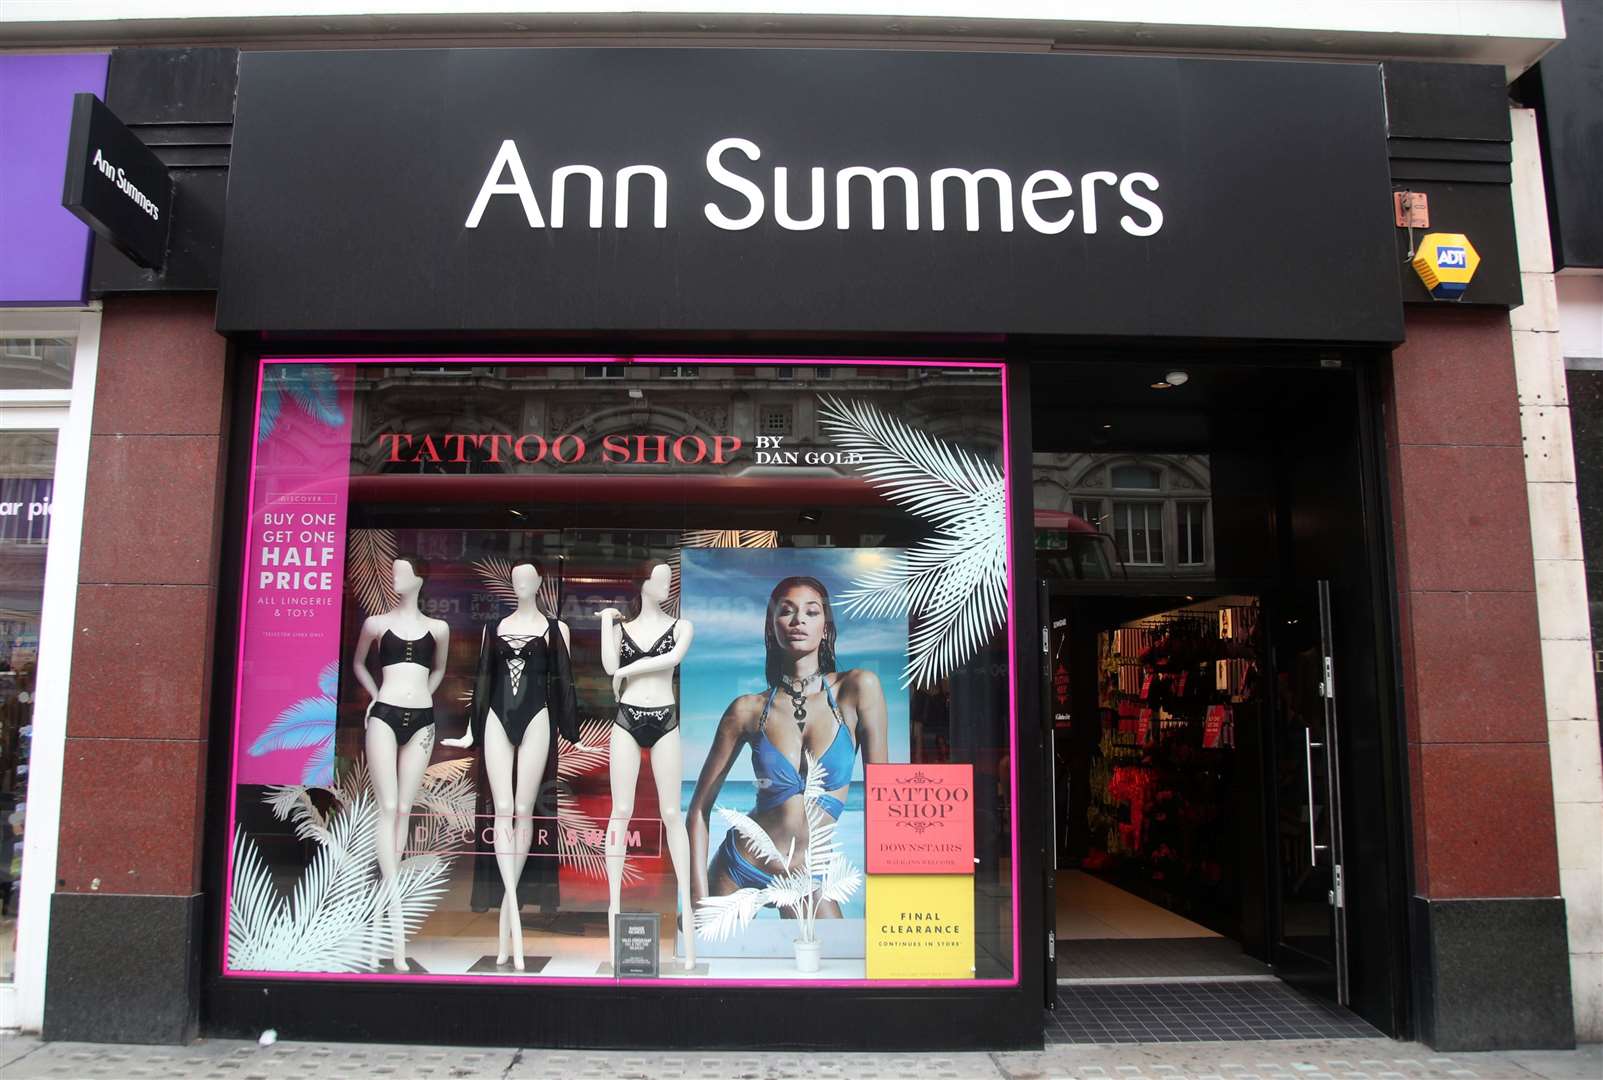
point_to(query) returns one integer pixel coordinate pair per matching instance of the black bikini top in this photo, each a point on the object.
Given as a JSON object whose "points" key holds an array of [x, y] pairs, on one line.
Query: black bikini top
{"points": [[393, 649], [629, 652]]}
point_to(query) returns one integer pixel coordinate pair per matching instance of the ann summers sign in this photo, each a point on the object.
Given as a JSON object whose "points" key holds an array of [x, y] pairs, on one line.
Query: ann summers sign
{"points": [[115, 185], [823, 190]]}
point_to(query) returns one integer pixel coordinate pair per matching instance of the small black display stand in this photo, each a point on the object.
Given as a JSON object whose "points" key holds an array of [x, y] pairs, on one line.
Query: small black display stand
{"points": [[486, 965], [636, 949]]}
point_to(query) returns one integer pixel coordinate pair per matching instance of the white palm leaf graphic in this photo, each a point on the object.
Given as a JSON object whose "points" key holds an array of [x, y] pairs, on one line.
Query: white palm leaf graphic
{"points": [[953, 584], [719, 918], [370, 569], [329, 920]]}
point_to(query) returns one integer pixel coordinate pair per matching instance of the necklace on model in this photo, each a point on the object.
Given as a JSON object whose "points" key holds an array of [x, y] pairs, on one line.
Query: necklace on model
{"points": [[798, 689]]}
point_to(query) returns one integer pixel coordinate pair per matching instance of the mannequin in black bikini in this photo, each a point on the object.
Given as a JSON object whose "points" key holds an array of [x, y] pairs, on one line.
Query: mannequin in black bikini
{"points": [[412, 650]]}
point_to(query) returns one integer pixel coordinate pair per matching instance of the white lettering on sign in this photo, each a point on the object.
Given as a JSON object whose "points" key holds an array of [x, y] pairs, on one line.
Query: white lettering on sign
{"points": [[509, 163], [988, 194], [125, 185]]}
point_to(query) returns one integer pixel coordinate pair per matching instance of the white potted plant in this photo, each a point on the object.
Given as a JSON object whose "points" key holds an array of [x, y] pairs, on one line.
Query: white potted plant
{"points": [[825, 874]]}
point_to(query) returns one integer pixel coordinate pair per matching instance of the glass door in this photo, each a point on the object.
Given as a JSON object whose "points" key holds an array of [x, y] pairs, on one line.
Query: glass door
{"points": [[27, 467], [1310, 926]]}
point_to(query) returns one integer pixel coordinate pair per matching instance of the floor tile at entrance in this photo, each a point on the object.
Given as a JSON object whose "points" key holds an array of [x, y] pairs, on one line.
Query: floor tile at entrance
{"points": [[1089, 907], [1157, 958], [1196, 1012]]}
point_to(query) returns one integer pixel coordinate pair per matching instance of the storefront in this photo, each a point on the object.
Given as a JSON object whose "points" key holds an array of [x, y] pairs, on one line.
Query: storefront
{"points": [[851, 516], [655, 479]]}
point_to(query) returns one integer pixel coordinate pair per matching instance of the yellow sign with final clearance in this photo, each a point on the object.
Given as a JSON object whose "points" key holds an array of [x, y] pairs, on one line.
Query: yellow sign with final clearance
{"points": [[920, 926], [1446, 263]]}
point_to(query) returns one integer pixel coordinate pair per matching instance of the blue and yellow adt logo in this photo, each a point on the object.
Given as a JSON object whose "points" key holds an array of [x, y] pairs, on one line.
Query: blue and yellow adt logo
{"points": [[1446, 263]]}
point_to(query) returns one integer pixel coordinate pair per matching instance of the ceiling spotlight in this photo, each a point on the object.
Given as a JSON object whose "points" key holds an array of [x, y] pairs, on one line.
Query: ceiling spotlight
{"points": [[1177, 378], [1107, 427], [1161, 385]]}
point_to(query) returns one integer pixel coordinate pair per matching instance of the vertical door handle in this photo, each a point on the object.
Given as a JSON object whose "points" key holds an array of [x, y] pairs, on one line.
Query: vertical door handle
{"points": [[1314, 847]]}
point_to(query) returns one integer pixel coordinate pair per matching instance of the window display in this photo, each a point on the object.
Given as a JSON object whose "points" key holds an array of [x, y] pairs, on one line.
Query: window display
{"points": [[532, 661]]}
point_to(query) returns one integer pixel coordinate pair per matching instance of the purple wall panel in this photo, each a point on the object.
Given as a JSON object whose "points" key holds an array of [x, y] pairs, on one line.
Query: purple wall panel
{"points": [[44, 250]]}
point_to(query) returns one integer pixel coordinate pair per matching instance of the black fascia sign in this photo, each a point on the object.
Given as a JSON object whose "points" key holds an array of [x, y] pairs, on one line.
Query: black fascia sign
{"points": [[115, 185], [835, 191]]}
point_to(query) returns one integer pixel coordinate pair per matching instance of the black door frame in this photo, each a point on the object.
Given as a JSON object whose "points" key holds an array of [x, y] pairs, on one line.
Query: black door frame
{"points": [[1386, 969]]}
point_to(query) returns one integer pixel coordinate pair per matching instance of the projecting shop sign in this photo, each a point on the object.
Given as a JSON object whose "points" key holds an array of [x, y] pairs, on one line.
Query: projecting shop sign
{"points": [[115, 185]]}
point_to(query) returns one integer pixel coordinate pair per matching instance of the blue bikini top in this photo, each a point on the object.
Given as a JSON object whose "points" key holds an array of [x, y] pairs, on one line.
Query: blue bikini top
{"points": [[778, 779]]}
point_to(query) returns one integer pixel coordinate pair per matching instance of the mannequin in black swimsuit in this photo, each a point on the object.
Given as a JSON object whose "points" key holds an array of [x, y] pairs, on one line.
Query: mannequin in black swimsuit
{"points": [[523, 683], [412, 650]]}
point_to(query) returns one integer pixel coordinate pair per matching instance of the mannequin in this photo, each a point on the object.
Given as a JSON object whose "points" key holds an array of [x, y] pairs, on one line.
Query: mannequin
{"points": [[399, 722], [523, 678], [641, 656]]}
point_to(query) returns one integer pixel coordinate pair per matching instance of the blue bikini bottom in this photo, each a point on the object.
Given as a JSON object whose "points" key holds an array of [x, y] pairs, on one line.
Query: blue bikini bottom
{"points": [[742, 871]]}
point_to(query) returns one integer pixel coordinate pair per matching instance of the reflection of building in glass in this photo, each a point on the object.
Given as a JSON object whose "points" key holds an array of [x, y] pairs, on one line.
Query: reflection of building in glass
{"points": [[592, 402], [1157, 508]]}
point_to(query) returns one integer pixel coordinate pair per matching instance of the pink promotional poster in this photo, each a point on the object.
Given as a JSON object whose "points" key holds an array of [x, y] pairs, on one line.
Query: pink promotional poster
{"points": [[290, 632]]}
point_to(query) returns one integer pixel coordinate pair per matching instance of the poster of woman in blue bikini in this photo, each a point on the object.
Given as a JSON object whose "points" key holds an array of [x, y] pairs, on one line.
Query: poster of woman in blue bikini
{"points": [[820, 683]]}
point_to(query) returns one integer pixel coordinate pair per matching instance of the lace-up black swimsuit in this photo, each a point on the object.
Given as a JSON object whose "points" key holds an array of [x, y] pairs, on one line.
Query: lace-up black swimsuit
{"points": [[392, 649], [646, 723], [518, 693]]}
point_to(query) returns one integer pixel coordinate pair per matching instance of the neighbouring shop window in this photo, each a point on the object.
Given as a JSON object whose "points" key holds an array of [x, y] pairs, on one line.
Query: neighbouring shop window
{"points": [[545, 665], [36, 363], [27, 470]]}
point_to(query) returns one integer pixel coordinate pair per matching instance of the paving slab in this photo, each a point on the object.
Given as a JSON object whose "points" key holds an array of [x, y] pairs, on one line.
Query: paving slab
{"points": [[28, 1058]]}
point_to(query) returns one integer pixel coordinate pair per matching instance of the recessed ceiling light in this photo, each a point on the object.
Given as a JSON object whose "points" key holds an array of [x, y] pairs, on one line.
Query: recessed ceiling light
{"points": [[1161, 385], [1106, 427]]}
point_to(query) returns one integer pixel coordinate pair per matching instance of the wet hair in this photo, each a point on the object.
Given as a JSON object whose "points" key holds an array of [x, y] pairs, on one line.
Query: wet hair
{"points": [[775, 666], [419, 565]]}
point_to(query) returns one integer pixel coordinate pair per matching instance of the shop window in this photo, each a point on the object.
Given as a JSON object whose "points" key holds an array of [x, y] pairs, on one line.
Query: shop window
{"points": [[36, 363], [1138, 532], [412, 549], [27, 470]]}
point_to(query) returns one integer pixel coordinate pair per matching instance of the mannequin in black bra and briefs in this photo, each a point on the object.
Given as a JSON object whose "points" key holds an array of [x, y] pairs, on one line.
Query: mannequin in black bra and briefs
{"points": [[412, 650], [641, 656]]}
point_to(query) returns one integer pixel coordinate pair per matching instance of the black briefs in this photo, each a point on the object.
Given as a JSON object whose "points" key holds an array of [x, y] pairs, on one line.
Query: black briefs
{"points": [[403, 721], [647, 725]]}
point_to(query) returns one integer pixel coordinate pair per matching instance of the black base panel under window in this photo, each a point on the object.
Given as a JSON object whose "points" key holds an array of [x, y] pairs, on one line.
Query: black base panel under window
{"points": [[1196, 1012], [611, 1017]]}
